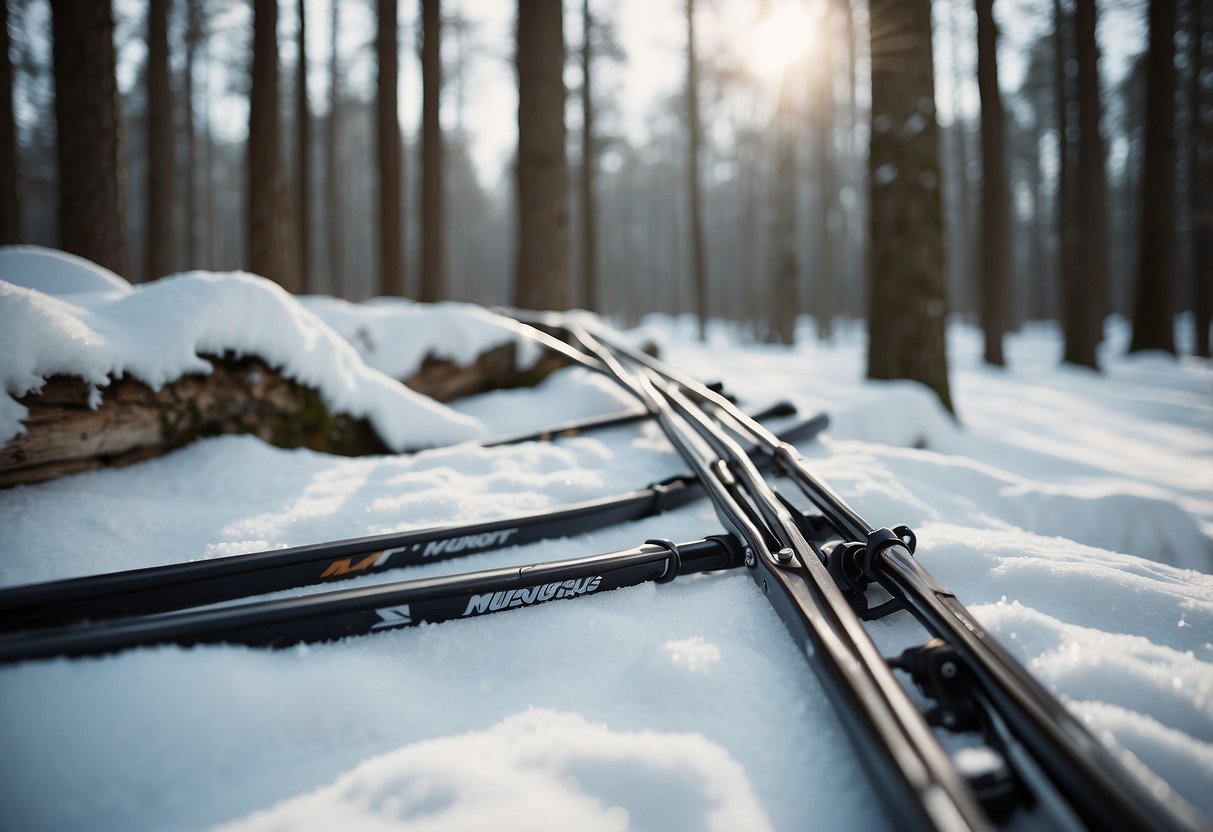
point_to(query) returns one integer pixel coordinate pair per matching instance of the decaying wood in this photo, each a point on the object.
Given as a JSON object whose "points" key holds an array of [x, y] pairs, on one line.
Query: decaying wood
{"points": [[65, 435], [446, 381], [133, 422]]}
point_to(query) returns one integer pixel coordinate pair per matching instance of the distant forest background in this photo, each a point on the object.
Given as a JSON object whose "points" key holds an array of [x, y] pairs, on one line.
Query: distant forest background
{"points": [[753, 194]]}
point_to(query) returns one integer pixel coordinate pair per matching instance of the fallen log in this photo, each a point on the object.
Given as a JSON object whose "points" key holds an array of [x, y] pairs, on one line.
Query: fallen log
{"points": [[65, 434]]}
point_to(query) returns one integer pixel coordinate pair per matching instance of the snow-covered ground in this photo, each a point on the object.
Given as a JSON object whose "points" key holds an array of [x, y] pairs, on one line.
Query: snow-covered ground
{"points": [[1072, 512]]}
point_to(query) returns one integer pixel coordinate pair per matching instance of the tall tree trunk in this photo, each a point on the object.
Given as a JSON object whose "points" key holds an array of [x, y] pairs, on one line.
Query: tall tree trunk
{"points": [[1091, 221], [433, 242], [995, 248], [303, 158], [965, 278], [541, 273], [589, 164], [1075, 302], [334, 208], [12, 214], [391, 209], [158, 252], [92, 216], [1038, 267], [851, 261], [1200, 173], [826, 279], [907, 302], [1099, 161], [698, 267], [193, 36], [1154, 310], [785, 283], [270, 240], [209, 254]]}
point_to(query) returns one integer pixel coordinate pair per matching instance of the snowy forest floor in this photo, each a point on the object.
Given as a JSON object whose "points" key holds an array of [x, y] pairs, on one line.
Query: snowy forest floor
{"points": [[1071, 511]]}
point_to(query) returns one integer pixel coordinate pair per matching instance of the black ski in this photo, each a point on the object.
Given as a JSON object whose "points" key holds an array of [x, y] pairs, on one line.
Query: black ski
{"points": [[911, 772], [1070, 776]]}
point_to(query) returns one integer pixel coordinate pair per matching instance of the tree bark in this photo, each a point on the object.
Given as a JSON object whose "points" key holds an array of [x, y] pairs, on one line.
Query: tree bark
{"points": [[1200, 172], [907, 301], [695, 203], [391, 209], [433, 240], [193, 36], [1038, 268], [1092, 164], [1075, 301], [66, 434], [541, 273], [851, 262], [995, 248], [92, 200], [1154, 310], [589, 165], [210, 257], [785, 283], [160, 234], [826, 279], [332, 176], [12, 213], [1089, 272], [270, 236], [965, 278], [303, 158]]}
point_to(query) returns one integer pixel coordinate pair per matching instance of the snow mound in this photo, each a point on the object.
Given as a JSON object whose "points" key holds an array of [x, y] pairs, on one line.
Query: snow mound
{"points": [[918, 487], [57, 272], [395, 335], [158, 331], [575, 393], [538, 770], [898, 413]]}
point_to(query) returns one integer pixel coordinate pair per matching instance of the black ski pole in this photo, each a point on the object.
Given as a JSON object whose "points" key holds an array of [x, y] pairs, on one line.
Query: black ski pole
{"points": [[193, 583], [332, 615]]}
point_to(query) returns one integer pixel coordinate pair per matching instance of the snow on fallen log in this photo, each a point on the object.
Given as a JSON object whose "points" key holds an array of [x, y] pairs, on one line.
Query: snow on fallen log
{"points": [[97, 372], [443, 350]]}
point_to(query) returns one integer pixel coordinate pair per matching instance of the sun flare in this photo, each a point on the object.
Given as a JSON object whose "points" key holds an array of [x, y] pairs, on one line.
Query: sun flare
{"points": [[781, 37]]}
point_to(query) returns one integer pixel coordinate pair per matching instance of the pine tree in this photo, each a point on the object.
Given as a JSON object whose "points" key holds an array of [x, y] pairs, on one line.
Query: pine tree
{"points": [[303, 152], [194, 34], [907, 302], [1154, 309], [995, 229], [334, 223], [541, 272], [92, 200], [12, 214], [589, 162], [1085, 279], [785, 283], [826, 279], [1200, 169], [161, 236], [270, 235], [391, 209], [695, 203], [433, 242]]}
